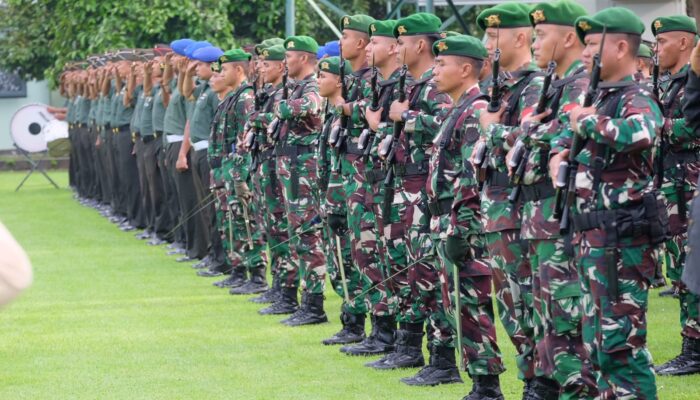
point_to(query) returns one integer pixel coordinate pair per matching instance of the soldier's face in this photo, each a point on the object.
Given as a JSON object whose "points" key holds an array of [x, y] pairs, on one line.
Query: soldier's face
{"points": [[547, 38], [295, 62], [204, 70], [272, 70], [381, 48], [670, 45], [217, 82], [328, 84], [352, 43], [231, 73], [450, 72], [409, 49]]}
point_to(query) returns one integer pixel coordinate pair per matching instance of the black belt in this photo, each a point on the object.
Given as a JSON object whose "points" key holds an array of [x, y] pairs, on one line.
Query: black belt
{"points": [[158, 134], [266, 155], [672, 159], [215, 162], [440, 207], [351, 148], [630, 221], [121, 128], [498, 179], [292, 150], [375, 175], [538, 191], [411, 169], [148, 138]]}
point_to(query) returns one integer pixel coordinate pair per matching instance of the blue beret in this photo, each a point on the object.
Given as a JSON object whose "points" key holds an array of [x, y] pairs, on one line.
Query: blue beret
{"points": [[189, 50], [332, 48], [207, 54], [180, 45], [321, 52]]}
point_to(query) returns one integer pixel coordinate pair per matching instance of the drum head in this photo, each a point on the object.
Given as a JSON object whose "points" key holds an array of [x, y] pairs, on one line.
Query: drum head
{"points": [[27, 127]]}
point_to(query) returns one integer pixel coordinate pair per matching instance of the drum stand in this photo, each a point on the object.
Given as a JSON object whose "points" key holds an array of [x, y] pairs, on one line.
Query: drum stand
{"points": [[35, 167]]}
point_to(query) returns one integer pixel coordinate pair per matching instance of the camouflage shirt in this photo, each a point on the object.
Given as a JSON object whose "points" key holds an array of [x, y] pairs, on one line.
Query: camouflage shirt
{"points": [[301, 114]]}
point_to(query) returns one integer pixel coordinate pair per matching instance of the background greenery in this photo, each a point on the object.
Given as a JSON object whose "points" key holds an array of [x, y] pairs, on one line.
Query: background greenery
{"points": [[37, 37], [109, 317]]}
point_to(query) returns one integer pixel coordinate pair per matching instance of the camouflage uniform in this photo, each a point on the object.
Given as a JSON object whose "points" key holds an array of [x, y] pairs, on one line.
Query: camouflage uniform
{"points": [[296, 169], [450, 179], [681, 164], [555, 282], [616, 253], [512, 277]]}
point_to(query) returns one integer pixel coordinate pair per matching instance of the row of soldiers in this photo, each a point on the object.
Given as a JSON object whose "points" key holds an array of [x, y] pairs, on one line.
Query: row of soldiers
{"points": [[418, 171]]}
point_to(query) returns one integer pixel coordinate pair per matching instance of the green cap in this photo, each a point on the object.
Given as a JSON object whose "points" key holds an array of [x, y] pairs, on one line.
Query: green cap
{"points": [[233, 55], [616, 19], [382, 28], [301, 43], [460, 45], [273, 53], [447, 34], [267, 43], [681, 23], [418, 24], [562, 12], [358, 22], [332, 65], [506, 15], [644, 51]]}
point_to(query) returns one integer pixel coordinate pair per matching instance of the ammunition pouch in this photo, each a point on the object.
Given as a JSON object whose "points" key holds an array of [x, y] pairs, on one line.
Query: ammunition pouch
{"points": [[538, 191], [440, 207], [411, 169]]}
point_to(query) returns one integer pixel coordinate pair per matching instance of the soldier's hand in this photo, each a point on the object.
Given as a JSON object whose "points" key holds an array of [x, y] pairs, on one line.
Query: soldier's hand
{"points": [[554, 165], [242, 191], [488, 118], [397, 108], [509, 157], [373, 118], [181, 164], [476, 145], [576, 113], [536, 118], [695, 59], [191, 68], [169, 57]]}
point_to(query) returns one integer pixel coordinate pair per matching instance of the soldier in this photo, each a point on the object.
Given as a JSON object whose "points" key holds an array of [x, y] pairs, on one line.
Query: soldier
{"points": [[508, 33], [295, 147], [644, 63], [677, 169], [134, 93], [455, 224], [560, 354], [415, 128], [349, 212], [618, 218]]}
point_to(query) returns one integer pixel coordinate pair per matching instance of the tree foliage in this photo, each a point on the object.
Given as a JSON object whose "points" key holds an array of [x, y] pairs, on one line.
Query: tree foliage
{"points": [[37, 37]]}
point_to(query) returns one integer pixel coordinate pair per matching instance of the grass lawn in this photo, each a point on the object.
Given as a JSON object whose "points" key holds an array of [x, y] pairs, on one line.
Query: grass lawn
{"points": [[109, 317]]}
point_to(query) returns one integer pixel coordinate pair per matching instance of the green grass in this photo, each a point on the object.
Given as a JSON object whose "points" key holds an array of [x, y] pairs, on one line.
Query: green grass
{"points": [[111, 318]]}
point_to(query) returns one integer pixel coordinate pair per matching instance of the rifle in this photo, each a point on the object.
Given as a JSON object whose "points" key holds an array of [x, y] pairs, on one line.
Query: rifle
{"points": [[338, 140], [655, 72], [391, 152], [659, 161], [253, 144], [520, 157], [566, 177], [274, 128], [495, 101], [364, 142]]}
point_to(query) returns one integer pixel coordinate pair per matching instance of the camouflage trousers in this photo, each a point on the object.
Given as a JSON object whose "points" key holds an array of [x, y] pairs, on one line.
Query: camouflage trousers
{"points": [[271, 217], [222, 226], [556, 289], [479, 349], [248, 246], [396, 256], [676, 249], [615, 329], [512, 280], [298, 182], [355, 281]]}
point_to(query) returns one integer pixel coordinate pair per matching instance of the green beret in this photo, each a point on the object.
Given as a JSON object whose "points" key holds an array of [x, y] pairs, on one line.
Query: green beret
{"points": [[675, 23], [358, 22], [332, 65], [505, 15], [418, 24], [234, 55], [301, 43], [644, 51], [447, 34], [616, 19], [460, 45], [273, 53], [267, 43], [562, 12], [382, 28]]}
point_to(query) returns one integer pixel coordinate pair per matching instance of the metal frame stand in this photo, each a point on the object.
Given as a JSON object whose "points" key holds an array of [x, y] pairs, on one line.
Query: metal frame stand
{"points": [[35, 167]]}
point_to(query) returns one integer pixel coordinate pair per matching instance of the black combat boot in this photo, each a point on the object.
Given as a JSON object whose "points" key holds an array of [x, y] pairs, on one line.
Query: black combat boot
{"points": [[441, 370], [541, 388], [205, 263], [302, 309], [686, 363], [270, 295], [313, 312], [380, 341], [485, 387], [353, 330], [672, 291], [237, 278], [256, 284], [407, 352], [286, 304]]}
